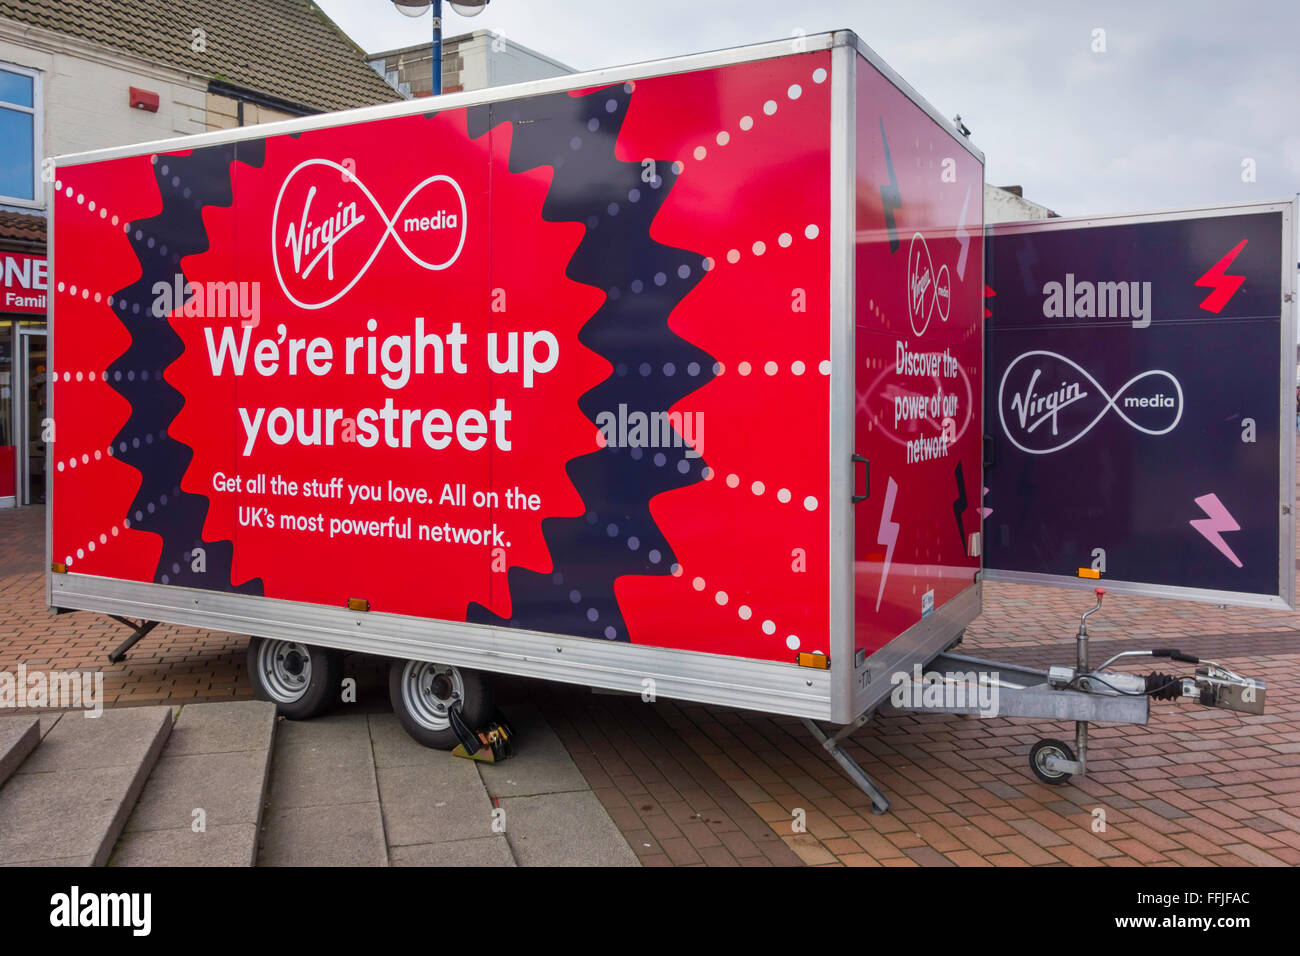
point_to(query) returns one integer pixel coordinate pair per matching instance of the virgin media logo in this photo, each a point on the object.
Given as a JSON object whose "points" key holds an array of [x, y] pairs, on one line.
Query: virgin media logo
{"points": [[1047, 402], [927, 291], [328, 229]]}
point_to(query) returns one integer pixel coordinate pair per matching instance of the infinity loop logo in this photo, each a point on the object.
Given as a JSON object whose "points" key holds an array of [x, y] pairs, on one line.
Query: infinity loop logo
{"points": [[334, 228], [1043, 412], [927, 290]]}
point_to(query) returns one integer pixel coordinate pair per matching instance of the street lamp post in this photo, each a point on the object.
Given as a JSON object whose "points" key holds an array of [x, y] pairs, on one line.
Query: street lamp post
{"points": [[416, 8]]}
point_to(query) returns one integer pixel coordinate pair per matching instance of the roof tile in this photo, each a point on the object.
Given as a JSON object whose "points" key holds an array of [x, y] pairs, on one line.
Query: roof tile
{"points": [[21, 226], [287, 49]]}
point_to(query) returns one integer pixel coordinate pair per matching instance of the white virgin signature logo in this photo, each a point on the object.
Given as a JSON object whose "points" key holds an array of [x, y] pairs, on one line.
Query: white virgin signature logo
{"points": [[927, 290], [308, 242], [1032, 407]]}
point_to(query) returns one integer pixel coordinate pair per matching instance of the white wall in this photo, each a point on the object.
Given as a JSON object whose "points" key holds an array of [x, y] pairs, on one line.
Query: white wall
{"points": [[1002, 206], [485, 66], [471, 61], [516, 64], [85, 92]]}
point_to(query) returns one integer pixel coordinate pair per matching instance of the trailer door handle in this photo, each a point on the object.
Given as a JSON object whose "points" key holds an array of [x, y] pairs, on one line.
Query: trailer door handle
{"points": [[866, 478]]}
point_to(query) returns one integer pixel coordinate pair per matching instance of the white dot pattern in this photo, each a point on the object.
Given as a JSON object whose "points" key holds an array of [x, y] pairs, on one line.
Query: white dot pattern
{"points": [[167, 176], [152, 507], [759, 488], [743, 611]]}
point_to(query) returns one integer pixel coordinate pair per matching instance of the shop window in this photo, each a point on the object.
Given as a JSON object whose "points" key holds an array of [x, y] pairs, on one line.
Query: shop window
{"points": [[20, 134]]}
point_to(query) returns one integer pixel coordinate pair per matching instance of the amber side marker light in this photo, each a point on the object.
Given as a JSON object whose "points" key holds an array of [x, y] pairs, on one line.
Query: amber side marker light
{"points": [[59, 568], [1089, 573], [819, 661], [358, 604]]}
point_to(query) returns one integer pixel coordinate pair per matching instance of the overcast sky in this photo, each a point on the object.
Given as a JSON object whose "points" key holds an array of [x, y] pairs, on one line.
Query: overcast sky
{"points": [[1184, 92]]}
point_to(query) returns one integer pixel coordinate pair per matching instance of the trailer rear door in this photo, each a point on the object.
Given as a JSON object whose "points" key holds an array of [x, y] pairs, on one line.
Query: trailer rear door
{"points": [[1139, 404]]}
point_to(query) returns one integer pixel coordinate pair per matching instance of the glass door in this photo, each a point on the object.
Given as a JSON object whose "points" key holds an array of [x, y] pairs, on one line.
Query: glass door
{"points": [[8, 420], [33, 402]]}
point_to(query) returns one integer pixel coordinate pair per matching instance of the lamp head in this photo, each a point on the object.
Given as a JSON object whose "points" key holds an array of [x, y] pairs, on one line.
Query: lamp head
{"points": [[469, 8], [412, 8]]}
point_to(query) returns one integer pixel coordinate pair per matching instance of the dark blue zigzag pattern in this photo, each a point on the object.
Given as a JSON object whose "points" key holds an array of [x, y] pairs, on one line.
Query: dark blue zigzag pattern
{"points": [[187, 184], [653, 367]]}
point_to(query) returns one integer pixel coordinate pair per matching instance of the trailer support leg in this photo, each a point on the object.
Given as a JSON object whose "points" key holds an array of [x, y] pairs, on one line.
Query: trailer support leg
{"points": [[879, 802], [138, 631]]}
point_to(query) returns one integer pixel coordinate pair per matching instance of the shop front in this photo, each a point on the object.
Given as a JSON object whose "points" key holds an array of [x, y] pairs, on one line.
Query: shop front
{"points": [[24, 371]]}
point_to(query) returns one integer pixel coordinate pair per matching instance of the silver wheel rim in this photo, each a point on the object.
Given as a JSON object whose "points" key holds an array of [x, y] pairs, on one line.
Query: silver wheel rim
{"points": [[428, 690], [285, 668], [1041, 760]]}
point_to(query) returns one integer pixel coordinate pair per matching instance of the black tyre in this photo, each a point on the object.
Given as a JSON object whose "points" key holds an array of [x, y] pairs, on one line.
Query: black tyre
{"points": [[302, 681], [1055, 748], [423, 692]]}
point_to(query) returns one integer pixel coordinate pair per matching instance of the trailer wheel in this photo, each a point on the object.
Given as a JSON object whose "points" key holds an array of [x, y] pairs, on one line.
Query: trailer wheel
{"points": [[299, 679], [423, 692], [1038, 755]]}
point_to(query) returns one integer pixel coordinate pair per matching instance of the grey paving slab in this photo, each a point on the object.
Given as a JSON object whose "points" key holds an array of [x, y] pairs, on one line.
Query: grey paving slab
{"points": [[225, 727], [217, 761], [234, 845], [393, 746], [18, 738], [61, 814], [118, 737], [326, 733], [48, 721], [354, 789], [65, 861], [322, 762], [479, 851], [541, 763], [564, 829], [228, 787], [348, 835], [437, 801], [71, 798], [323, 800]]}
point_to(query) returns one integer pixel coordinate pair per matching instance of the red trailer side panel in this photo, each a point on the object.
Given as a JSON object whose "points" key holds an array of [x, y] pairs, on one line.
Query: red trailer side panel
{"points": [[752, 538], [919, 282], [659, 246]]}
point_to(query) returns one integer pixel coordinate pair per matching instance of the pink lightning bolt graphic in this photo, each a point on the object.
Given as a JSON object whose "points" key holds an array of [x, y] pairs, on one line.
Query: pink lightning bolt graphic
{"points": [[1218, 520], [963, 236], [888, 535], [1224, 286]]}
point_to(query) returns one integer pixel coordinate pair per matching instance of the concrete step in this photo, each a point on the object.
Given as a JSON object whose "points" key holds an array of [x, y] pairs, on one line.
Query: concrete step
{"points": [[202, 804], [436, 809], [68, 801], [18, 737], [353, 789], [323, 803]]}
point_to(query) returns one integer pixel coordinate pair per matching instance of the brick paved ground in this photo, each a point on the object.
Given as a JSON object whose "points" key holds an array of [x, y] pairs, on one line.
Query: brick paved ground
{"points": [[173, 664], [699, 785]]}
